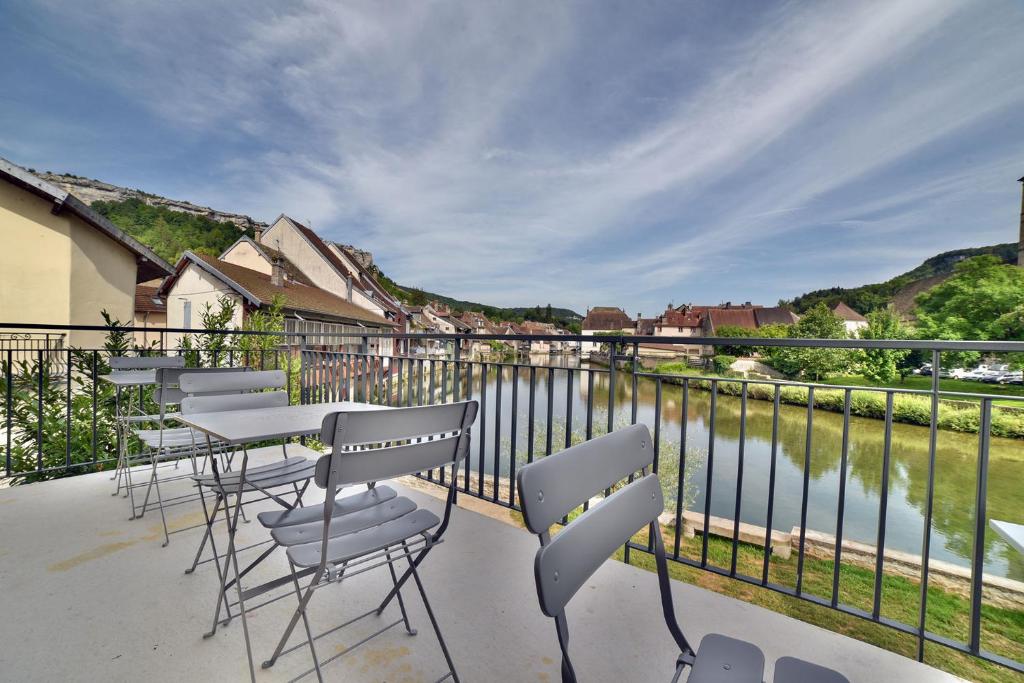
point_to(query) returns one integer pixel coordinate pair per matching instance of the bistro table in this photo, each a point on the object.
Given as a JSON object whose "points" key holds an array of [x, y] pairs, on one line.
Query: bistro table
{"points": [[1011, 533], [239, 428]]}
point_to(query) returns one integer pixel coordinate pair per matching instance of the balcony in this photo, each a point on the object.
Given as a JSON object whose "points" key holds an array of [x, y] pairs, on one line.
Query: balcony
{"points": [[840, 486], [90, 595]]}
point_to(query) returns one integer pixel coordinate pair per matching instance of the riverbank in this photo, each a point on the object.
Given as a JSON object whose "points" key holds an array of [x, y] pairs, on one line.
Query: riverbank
{"points": [[948, 612], [914, 409]]}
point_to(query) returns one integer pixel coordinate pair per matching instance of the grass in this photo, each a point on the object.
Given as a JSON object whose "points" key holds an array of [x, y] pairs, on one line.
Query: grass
{"points": [[948, 613], [924, 383]]}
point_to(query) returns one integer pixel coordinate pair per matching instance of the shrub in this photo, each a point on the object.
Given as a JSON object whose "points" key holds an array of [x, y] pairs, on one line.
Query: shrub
{"points": [[722, 362]]}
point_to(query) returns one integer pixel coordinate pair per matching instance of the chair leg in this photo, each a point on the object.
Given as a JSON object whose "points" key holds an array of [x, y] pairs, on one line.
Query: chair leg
{"points": [[299, 611], [401, 603], [160, 504], [433, 622]]}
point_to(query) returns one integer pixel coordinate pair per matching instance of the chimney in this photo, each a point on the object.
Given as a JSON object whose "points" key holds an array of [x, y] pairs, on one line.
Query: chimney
{"points": [[348, 288], [1020, 243], [277, 274], [257, 231]]}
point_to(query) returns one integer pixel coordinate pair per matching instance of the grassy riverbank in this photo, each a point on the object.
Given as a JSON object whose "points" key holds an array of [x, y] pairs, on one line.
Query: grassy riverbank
{"points": [[948, 613], [907, 408]]}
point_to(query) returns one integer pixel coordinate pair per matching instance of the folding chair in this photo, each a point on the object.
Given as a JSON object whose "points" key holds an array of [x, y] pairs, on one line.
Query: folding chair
{"points": [[168, 444], [551, 488], [217, 393], [366, 447], [126, 415]]}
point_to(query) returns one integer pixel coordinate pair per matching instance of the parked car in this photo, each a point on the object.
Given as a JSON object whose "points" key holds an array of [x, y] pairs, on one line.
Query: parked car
{"points": [[1012, 377], [925, 369], [958, 373]]}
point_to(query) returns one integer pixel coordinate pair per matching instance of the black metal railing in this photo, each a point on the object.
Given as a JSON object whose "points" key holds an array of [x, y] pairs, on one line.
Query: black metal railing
{"points": [[873, 466]]}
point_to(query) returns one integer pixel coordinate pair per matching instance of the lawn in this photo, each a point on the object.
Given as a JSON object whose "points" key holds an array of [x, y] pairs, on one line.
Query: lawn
{"points": [[948, 613], [924, 383]]}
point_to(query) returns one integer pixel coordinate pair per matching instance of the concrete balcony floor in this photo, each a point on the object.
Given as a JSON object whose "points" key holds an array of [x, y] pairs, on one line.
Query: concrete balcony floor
{"points": [[89, 595]]}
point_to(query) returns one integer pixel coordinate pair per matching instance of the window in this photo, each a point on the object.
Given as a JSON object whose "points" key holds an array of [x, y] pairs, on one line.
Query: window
{"points": [[186, 315]]}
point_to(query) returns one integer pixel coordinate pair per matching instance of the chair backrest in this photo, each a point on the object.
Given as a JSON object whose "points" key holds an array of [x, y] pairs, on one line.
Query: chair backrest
{"points": [[168, 383], [208, 383], [216, 403], [213, 392], [398, 441], [552, 487], [145, 362]]}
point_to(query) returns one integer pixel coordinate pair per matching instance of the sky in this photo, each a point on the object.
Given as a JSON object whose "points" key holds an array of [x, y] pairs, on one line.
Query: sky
{"points": [[626, 153]]}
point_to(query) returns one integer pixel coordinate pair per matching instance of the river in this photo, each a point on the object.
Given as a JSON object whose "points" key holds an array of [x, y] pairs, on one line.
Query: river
{"points": [[955, 475]]}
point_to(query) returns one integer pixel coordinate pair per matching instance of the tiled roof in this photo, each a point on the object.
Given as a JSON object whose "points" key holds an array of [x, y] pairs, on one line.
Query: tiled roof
{"points": [[146, 300], [363, 277], [676, 318], [607, 318], [737, 317], [645, 326], [844, 312], [298, 297], [774, 315]]}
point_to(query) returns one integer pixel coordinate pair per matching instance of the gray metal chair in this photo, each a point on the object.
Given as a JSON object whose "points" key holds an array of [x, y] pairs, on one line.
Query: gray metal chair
{"points": [[366, 447], [168, 445], [551, 488], [212, 393], [125, 415]]}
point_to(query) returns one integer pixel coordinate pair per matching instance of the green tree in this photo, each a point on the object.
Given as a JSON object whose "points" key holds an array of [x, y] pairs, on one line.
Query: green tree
{"points": [[735, 331], [882, 365], [270, 319], [813, 362], [976, 302]]}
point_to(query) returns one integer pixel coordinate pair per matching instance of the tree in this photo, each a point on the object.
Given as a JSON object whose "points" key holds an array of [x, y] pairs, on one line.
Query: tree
{"points": [[735, 331], [270, 319], [882, 365], [974, 302], [814, 362]]}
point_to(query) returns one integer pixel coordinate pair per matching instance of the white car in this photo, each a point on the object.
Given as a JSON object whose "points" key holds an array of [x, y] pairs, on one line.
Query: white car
{"points": [[958, 373]]}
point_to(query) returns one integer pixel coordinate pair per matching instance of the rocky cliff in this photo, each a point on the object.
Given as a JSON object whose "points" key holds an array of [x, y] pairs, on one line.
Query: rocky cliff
{"points": [[89, 191]]}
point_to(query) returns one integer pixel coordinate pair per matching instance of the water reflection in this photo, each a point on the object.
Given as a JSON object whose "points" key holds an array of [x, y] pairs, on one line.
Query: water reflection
{"points": [[955, 475]]}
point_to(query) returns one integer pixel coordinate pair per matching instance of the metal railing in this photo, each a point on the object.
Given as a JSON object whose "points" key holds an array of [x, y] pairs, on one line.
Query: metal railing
{"points": [[708, 434]]}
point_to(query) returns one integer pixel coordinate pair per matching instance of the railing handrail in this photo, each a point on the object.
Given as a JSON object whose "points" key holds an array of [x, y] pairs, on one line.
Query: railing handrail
{"points": [[629, 340]]}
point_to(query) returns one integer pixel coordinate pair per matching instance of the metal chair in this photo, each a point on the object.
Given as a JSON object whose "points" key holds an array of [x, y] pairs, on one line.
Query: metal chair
{"points": [[366, 447], [551, 488], [219, 393], [168, 444], [124, 414]]}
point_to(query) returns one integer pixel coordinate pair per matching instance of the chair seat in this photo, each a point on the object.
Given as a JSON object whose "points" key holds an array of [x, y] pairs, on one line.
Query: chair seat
{"points": [[344, 524], [273, 519], [363, 542], [793, 670], [150, 418], [178, 436], [297, 467], [721, 659]]}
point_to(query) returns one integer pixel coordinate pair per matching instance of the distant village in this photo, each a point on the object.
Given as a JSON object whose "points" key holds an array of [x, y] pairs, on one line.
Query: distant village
{"points": [[324, 291]]}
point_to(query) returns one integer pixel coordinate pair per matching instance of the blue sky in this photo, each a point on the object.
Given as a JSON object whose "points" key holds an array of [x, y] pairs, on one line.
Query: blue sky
{"points": [[515, 153]]}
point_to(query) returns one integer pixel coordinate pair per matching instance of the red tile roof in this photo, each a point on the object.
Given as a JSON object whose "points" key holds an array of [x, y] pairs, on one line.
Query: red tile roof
{"points": [[844, 312], [607, 318], [298, 297], [146, 300], [737, 317]]}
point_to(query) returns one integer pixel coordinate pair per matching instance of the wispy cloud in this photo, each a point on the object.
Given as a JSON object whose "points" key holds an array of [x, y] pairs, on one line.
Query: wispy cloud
{"points": [[569, 152]]}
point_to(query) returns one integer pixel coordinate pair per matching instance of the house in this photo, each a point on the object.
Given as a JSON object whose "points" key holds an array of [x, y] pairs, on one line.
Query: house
{"points": [[674, 322], [309, 311], [531, 327], [604, 320], [322, 264], [478, 324], [853, 320], [150, 313], [62, 263]]}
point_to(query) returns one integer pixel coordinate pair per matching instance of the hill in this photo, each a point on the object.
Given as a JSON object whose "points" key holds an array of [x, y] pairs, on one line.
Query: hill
{"points": [[170, 226], [901, 289], [414, 296]]}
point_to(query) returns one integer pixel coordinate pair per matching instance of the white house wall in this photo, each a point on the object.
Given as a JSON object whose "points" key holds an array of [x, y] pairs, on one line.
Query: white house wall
{"points": [[199, 288]]}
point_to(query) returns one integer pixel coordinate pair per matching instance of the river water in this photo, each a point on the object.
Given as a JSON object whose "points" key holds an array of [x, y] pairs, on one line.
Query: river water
{"points": [[955, 475]]}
